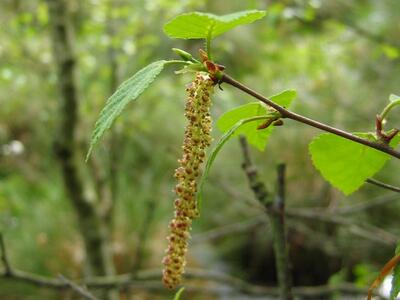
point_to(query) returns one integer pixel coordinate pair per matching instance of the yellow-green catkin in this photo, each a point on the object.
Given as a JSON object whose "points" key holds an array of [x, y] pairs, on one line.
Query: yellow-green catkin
{"points": [[197, 139]]}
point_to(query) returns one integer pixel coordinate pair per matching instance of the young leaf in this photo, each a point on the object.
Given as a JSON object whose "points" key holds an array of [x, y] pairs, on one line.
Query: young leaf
{"points": [[179, 293], [219, 146], [344, 163], [197, 25], [128, 91], [393, 98], [256, 137]]}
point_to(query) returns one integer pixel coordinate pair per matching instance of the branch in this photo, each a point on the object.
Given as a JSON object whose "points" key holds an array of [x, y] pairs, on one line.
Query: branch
{"points": [[276, 214], [79, 290], [383, 185], [4, 257], [146, 281], [310, 122]]}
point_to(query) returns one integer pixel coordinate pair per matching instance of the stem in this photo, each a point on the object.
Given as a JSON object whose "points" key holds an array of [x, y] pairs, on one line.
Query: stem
{"points": [[383, 185], [276, 214], [208, 41], [310, 122], [277, 217], [388, 108], [177, 61]]}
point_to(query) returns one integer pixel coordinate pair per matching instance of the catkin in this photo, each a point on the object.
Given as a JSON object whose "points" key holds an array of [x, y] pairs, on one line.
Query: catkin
{"points": [[197, 139]]}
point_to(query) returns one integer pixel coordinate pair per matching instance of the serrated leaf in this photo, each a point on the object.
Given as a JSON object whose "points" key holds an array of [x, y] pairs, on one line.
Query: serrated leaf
{"points": [[393, 98], [179, 293], [346, 164], [257, 138], [218, 147], [128, 91], [197, 25]]}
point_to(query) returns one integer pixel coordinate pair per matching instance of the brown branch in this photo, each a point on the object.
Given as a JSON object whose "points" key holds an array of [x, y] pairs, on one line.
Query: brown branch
{"points": [[77, 289], [310, 122]]}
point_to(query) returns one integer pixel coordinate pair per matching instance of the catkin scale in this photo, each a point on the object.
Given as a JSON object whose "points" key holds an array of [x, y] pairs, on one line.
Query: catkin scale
{"points": [[197, 139]]}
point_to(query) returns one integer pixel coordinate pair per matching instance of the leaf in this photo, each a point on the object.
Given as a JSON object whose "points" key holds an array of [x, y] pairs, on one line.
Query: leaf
{"points": [[179, 293], [395, 290], [197, 25], [257, 138], [393, 98], [218, 147], [344, 163], [128, 91]]}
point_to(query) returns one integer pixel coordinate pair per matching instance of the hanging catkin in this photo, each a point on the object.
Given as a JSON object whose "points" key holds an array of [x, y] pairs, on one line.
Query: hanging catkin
{"points": [[197, 139]]}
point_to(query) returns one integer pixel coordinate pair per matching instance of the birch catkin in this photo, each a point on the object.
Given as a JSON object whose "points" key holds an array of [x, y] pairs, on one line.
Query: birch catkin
{"points": [[197, 139]]}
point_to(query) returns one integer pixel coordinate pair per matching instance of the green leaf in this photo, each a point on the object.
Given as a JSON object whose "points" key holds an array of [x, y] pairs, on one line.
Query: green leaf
{"points": [[395, 290], [179, 293], [128, 91], [197, 25], [218, 147], [344, 163], [257, 138], [393, 98]]}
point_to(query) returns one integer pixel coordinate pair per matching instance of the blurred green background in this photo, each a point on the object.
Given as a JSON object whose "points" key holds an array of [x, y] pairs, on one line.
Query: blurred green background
{"points": [[342, 57]]}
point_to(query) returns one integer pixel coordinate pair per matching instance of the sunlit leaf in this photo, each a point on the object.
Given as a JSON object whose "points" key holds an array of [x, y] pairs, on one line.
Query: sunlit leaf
{"points": [[344, 163], [197, 25]]}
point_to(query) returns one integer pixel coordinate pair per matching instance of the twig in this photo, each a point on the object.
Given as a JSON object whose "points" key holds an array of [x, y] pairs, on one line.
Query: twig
{"points": [[229, 229], [275, 211], [310, 122], [351, 209], [4, 257], [76, 288], [383, 185], [277, 215], [150, 280], [365, 230]]}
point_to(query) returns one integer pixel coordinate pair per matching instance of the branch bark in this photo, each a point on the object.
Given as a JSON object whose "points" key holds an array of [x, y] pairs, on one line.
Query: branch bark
{"points": [[310, 122]]}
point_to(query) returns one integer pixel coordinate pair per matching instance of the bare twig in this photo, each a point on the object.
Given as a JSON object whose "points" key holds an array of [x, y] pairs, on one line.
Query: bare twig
{"points": [[383, 185], [150, 280], [310, 122], [350, 209], [230, 229], [77, 289]]}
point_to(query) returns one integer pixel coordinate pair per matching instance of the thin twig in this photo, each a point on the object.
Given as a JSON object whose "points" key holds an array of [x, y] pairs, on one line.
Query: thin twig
{"points": [[77, 289], [383, 185], [230, 229], [4, 257], [310, 122]]}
